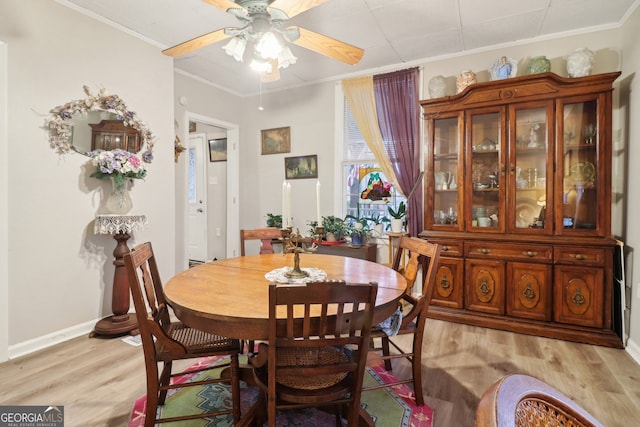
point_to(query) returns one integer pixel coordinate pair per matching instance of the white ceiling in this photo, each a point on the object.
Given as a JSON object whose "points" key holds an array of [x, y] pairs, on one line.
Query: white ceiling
{"points": [[393, 33]]}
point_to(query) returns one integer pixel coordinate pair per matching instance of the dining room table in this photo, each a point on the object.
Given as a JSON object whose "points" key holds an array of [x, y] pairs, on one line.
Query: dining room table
{"points": [[230, 296]]}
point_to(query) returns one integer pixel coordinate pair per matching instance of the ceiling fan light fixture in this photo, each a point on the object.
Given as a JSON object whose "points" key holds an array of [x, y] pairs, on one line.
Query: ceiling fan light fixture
{"points": [[236, 47], [260, 65], [268, 46], [286, 58]]}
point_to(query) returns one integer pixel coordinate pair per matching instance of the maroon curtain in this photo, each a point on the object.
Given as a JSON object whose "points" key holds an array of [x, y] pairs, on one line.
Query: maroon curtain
{"points": [[399, 119]]}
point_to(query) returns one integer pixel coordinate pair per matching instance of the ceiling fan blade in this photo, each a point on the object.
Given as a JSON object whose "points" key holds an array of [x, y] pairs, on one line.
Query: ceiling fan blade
{"points": [[222, 4], [196, 43], [330, 47], [295, 7]]}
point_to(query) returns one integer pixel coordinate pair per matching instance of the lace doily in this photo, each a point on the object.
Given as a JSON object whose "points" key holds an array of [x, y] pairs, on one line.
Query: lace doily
{"points": [[278, 275], [114, 224]]}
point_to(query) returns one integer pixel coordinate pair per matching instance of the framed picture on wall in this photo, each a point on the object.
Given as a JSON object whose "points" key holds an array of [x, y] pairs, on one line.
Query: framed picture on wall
{"points": [[301, 167], [218, 150], [275, 141]]}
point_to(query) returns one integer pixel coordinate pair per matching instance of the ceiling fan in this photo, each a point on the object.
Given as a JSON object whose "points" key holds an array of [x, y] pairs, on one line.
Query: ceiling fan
{"points": [[263, 26]]}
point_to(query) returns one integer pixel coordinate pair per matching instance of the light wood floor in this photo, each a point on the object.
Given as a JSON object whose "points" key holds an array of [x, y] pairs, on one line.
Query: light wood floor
{"points": [[97, 379]]}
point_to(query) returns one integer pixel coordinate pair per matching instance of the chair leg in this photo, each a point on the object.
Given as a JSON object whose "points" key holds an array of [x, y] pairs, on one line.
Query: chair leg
{"points": [[152, 406], [416, 365], [164, 380], [386, 352], [235, 387], [271, 410]]}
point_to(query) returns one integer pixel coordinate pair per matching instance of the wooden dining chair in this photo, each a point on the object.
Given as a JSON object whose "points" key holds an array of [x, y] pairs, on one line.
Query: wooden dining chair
{"points": [[164, 340], [317, 349], [425, 255], [518, 400], [265, 235]]}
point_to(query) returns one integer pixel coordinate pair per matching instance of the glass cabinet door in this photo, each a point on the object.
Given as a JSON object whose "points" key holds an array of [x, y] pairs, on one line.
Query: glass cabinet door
{"points": [[577, 170], [484, 207], [530, 153], [446, 169]]}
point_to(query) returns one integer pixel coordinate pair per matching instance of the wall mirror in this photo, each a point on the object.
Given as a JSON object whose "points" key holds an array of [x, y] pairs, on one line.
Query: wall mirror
{"points": [[98, 122]]}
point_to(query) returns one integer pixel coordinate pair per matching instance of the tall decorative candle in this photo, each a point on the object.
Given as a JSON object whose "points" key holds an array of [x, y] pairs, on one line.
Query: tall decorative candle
{"points": [[318, 203], [284, 204], [289, 217]]}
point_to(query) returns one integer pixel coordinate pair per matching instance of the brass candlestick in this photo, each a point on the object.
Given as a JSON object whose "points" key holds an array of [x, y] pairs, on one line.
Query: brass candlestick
{"points": [[297, 244]]}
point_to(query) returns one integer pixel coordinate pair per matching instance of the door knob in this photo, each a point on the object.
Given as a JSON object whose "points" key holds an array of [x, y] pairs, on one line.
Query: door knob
{"points": [[200, 210]]}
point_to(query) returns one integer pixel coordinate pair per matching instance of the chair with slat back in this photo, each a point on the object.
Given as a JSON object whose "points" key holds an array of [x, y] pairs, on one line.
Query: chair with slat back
{"points": [[425, 255], [518, 400], [317, 348], [265, 235], [164, 340]]}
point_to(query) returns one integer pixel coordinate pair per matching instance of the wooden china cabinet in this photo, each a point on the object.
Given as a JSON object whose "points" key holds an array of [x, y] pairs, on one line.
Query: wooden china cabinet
{"points": [[518, 193]]}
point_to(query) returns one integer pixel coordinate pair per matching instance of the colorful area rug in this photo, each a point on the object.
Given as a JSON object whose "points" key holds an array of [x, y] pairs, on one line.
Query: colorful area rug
{"points": [[388, 407]]}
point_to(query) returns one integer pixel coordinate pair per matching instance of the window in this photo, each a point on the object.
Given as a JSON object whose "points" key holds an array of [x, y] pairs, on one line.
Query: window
{"points": [[366, 191]]}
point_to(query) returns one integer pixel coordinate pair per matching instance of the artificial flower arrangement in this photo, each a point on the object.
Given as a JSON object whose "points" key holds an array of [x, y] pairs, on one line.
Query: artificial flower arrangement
{"points": [[117, 164], [60, 128]]}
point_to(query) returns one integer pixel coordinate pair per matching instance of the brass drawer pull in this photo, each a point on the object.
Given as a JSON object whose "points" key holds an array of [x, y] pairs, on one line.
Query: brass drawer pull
{"points": [[577, 298], [578, 257], [530, 253], [484, 287], [484, 251], [445, 248], [529, 293]]}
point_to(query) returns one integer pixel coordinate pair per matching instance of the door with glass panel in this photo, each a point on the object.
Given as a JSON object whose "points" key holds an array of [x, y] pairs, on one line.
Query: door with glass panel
{"points": [[485, 176], [447, 173], [579, 171], [529, 201]]}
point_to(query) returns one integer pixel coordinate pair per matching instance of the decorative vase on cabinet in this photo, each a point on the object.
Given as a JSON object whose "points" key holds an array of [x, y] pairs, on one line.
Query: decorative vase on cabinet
{"points": [[539, 64], [531, 249], [465, 79]]}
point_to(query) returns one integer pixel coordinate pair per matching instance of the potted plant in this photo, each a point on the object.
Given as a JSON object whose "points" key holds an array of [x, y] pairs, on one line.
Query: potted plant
{"points": [[333, 228], [397, 216], [378, 226], [358, 230], [274, 220], [312, 227]]}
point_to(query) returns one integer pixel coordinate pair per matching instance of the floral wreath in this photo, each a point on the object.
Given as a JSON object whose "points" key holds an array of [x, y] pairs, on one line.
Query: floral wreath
{"points": [[60, 128]]}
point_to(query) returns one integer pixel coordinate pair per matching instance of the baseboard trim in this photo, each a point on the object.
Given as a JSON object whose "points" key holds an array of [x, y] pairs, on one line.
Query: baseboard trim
{"points": [[634, 350], [45, 341]]}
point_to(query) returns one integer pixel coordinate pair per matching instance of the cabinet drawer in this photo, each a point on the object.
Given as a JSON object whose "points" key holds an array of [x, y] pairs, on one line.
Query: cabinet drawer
{"points": [[537, 253], [580, 255], [449, 247]]}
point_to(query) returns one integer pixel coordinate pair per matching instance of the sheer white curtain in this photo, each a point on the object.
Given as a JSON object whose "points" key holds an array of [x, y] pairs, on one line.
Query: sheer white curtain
{"points": [[362, 102]]}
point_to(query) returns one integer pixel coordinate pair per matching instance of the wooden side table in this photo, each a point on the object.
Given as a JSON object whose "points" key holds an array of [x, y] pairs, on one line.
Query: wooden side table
{"points": [[368, 251], [120, 226]]}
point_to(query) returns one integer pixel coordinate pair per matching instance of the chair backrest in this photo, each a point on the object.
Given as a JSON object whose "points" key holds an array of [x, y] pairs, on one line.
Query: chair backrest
{"points": [[311, 324], [421, 254], [152, 310], [521, 401], [265, 235]]}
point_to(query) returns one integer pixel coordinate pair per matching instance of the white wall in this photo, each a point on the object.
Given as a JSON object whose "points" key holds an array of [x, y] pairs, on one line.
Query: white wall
{"points": [[59, 273], [628, 128], [309, 112]]}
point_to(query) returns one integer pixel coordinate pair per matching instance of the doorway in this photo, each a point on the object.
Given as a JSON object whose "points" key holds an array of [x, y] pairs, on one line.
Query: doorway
{"points": [[197, 195], [228, 230]]}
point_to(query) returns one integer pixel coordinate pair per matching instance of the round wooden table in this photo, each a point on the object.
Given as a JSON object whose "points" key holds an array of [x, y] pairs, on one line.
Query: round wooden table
{"points": [[230, 297]]}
